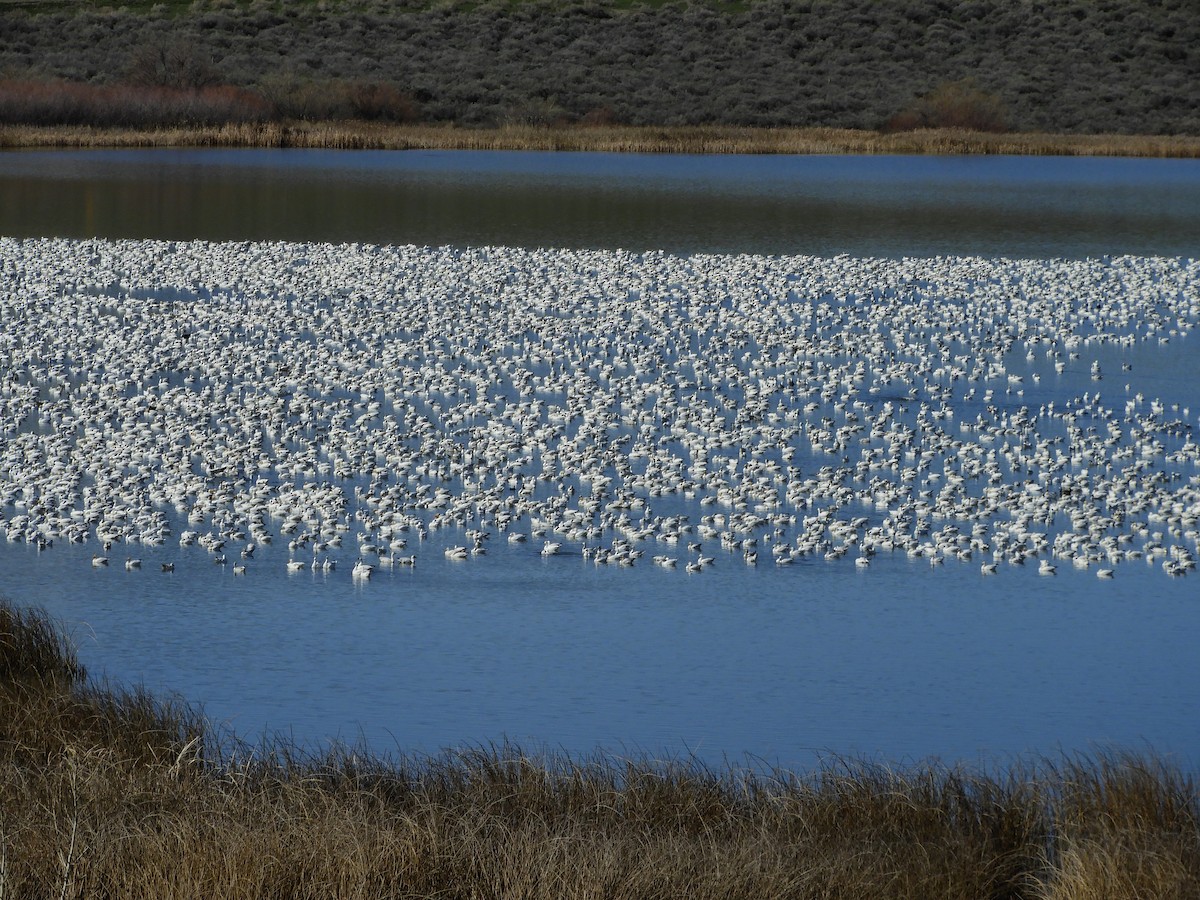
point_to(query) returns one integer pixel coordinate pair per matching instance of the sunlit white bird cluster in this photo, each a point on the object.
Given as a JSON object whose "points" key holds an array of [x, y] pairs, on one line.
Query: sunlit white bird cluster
{"points": [[351, 402]]}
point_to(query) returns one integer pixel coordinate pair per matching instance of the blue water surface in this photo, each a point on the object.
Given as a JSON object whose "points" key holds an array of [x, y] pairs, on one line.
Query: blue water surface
{"points": [[897, 662], [825, 205]]}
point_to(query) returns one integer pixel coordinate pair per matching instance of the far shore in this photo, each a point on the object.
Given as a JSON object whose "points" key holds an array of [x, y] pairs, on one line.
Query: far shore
{"points": [[355, 135]]}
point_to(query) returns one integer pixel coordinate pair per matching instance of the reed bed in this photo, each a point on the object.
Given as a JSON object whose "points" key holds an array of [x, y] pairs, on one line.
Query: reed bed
{"points": [[105, 793], [355, 135]]}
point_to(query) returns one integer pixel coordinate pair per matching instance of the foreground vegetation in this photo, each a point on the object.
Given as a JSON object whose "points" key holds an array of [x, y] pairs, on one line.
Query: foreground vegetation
{"points": [[1061, 66], [105, 793]]}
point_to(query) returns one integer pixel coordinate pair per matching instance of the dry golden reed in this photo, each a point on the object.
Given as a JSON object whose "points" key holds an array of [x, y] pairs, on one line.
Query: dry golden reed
{"points": [[111, 794], [610, 139]]}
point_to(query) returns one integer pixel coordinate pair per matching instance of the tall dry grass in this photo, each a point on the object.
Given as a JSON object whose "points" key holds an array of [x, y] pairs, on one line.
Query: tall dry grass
{"points": [[106, 793], [361, 135]]}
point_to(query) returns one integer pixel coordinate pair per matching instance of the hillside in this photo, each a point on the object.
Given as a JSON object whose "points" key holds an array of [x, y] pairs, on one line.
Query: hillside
{"points": [[1069, 66]]}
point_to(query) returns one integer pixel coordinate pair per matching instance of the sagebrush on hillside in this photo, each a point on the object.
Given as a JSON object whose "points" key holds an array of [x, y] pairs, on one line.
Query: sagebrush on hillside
{"points": [[1075, 66]]}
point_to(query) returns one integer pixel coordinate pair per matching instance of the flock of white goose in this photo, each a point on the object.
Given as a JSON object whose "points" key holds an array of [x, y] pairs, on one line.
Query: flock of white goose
{"points": [[347, 401]]}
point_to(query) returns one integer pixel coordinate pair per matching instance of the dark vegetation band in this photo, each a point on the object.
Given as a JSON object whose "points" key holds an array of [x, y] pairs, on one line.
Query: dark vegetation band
{"points": [[1067, 66]]}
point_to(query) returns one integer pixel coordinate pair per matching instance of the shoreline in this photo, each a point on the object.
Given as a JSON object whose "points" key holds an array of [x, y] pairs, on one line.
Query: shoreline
{"points": [[355, 135]]}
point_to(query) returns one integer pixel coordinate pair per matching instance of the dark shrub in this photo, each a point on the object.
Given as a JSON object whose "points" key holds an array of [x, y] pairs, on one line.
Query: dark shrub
{"points": [[377, 100], [599, 116], [954, 104], [170, 64], [64, 103]]}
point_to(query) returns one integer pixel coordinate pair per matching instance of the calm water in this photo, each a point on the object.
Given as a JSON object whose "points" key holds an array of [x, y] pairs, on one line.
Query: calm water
{"points": [[896, 662], [870, 206]]}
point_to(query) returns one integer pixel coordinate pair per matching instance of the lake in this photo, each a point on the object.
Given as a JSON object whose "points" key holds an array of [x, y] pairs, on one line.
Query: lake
{"points": [[977, 291], [820, 205]]}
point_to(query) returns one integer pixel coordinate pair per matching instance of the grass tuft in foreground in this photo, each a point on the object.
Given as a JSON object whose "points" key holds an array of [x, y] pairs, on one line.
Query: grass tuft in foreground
{"points": [[105, 793]]}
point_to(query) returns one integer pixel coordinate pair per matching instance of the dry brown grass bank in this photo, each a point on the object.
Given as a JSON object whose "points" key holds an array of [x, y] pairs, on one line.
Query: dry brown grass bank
{"points": [[615, 139], [107, 794]]}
